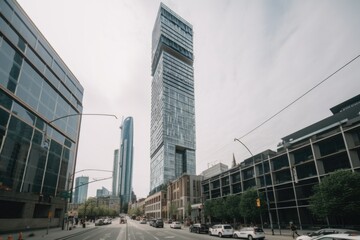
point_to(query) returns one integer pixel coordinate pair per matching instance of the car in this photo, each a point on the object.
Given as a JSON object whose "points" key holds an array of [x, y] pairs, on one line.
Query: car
{"points": [[250, 233], [322, 232], [99, 222], [143, 221], [175, 225], [122, 220], [340, 236], [107, 221], [221, 230], [199, 228], [158, 223], [151, 222]]}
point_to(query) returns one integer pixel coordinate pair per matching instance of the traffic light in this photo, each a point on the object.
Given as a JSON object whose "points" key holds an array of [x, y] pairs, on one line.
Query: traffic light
{"points": [[258, 202]]}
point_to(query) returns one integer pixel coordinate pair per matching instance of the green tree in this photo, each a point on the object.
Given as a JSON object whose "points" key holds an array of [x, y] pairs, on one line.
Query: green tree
{"points": [[338, 194], [248, 206], [219, 209], [233, 207]]}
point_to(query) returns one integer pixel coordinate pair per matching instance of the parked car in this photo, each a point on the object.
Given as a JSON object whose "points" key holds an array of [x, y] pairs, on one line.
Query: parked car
{"points": [[250, 233], [151, 222], [175, 225], [322, 232], [99, 222], [221, 230], [107, 221], [199, 228], [158, 223], [340, 236], [143, 221]]}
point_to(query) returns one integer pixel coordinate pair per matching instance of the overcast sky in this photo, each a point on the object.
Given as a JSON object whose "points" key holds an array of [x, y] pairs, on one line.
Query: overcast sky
{"points": [[252, 58]]}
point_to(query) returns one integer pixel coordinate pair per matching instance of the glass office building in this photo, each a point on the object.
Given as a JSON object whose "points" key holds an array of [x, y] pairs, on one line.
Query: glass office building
{"points": [[81, 189], [38, 144], [172, 147], [126, 160], [115, 174]]}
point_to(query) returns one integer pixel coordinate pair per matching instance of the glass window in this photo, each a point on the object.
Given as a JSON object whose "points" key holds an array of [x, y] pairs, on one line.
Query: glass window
{"points": [[45, 55], [35, 60]]}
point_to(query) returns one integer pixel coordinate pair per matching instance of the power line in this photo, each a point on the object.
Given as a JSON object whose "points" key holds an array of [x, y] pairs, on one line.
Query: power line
{"points": [[301, 96]]}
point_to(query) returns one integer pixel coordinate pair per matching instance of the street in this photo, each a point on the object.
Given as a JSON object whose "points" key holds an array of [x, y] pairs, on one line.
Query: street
{"points": [[133, 230]]}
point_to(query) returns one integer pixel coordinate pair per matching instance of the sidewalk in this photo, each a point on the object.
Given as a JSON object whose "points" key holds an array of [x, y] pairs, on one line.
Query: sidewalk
{"points": [[49, 234]]}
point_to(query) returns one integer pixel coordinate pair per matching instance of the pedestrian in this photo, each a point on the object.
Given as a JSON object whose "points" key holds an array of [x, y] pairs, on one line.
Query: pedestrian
{"points": [[293, 230]]}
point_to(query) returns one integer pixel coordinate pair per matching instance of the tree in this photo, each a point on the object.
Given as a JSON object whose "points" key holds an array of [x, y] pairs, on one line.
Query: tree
{"points": [[233, 207], [248, 206], [172, 211], [338, 194]]}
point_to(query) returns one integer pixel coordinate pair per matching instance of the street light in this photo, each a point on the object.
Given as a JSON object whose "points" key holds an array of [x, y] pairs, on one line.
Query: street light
{"points": [[45, 144], [266, 192]]}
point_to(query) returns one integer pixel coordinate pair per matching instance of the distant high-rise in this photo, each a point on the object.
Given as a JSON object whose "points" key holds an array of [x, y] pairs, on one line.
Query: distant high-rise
{"points": [[115, 177], [103, 192], [81, 189], [126, 160], [172, 148]]}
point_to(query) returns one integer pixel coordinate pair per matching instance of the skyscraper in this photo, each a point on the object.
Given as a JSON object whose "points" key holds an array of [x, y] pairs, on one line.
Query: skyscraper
{"points": [[172, 149], [38, 93], [126, 160], [81, 189], [115, 177]]}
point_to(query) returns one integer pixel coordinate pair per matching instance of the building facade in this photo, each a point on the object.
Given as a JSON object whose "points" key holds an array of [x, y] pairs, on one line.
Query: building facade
{"points": [[38, 138], [184, 198], [102, 192], [172, 146], [81, 189], [155, 205], [302, 159], [126, 160]]}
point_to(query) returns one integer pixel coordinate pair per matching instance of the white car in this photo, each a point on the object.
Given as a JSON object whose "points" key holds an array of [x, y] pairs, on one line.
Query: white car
{"points": [[340, 236], [322, 232], [221, 230], [175, 225], [250, 233]]}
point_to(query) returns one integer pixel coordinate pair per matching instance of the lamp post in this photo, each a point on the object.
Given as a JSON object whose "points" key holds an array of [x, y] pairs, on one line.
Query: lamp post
{"points": [[266, 192]]}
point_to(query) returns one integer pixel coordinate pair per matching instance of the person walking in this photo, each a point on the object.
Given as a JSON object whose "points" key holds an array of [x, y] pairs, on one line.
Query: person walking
{"points": [[293, 230]]}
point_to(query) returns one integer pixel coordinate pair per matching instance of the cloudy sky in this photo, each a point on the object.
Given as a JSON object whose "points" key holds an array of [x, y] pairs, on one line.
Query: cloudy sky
{"points": [[252, 58]]}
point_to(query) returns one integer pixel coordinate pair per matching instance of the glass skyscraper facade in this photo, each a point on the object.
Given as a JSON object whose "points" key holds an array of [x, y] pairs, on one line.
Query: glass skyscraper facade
{"points": [[126, 160], [115, 177], [38, 144], [81, 189], [172, 146]]}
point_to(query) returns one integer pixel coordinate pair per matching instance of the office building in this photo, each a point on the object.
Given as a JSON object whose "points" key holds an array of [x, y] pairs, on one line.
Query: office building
{"points": [[172, 144], [126, 160], [81, 189], [103, 192], [115, 177], [38, 138], [302, 159]]}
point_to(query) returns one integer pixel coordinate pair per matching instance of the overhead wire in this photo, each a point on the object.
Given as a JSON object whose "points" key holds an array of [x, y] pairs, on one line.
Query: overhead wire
{"points": [[301, 96], [290, 104]]}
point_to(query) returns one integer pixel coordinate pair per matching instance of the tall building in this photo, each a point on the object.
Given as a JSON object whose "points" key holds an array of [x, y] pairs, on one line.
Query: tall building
{"points": [[172, 149], [38, 138], [126, 160], [115, 177], [81, 189]]}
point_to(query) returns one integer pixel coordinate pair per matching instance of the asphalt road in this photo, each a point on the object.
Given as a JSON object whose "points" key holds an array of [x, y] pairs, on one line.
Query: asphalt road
{"points": [[133, 230]]}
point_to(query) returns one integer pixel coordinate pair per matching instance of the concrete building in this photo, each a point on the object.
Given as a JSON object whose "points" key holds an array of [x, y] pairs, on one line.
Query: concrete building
{"points": [[38, 138], [301, 161], [184, 198], [172, 145], [214, 170], [115, 176], [155, 205]]}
